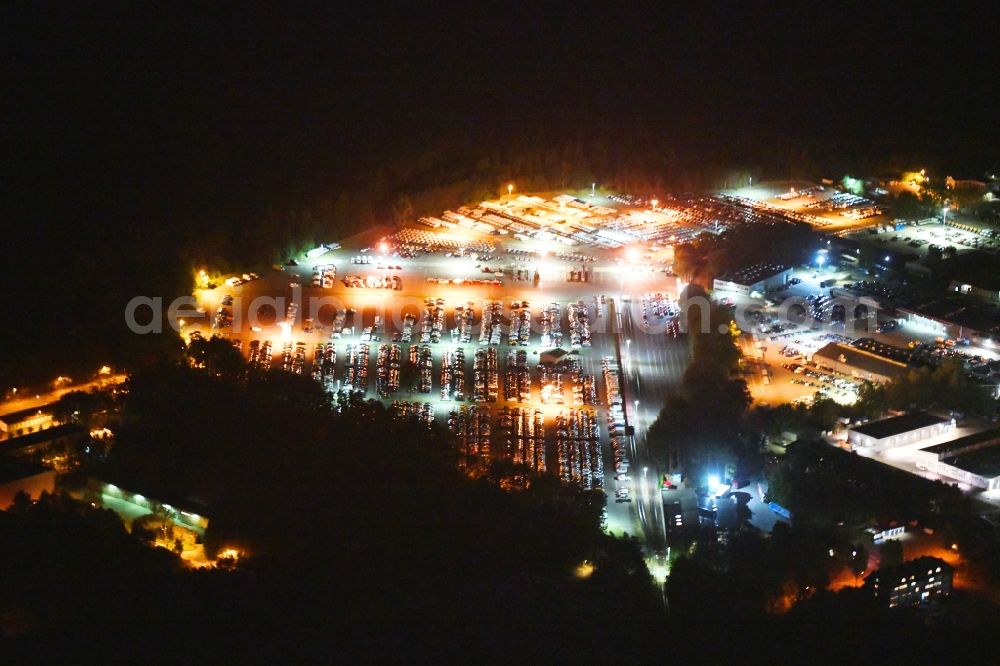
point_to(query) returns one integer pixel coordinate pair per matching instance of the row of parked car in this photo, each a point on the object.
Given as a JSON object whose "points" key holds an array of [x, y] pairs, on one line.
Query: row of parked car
{"points": [[324, 275], [579, 325], [260, 354], [486, 383], [246, 277], [464, 320], [579, 449], [584, 386], [324, 364], [658, 306], [523, 432], [422, 411], [406, 335], [491, 327], [616, 417], [387, 369], [356, 367], [551, 323], [426, 368], [453, 374], [432, 322], [373, 333], [520, 324], [393, 282], [471, 427], [517, 384]]}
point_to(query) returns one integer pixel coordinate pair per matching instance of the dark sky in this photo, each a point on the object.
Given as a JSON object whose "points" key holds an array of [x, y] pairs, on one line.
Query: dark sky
{"points": [[176, 81]]}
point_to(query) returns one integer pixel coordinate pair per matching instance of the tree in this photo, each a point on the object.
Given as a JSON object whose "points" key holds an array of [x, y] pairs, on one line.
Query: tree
{"points": [[88, 408], [688, 261], [402, 211], [909, 206], [218, 356], [891, 553]]}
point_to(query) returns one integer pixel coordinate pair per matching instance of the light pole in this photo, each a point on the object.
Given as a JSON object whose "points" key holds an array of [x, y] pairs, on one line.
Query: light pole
{"points": [[944, 215]]}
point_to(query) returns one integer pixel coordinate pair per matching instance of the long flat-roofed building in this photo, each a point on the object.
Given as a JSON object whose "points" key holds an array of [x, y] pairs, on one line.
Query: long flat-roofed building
{"points": [[878, 436], [26, 421], [977, 466], [759, 277], [859, 363]]}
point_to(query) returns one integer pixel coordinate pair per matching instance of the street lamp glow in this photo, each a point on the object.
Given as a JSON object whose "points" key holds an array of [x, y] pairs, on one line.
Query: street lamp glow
{"points": [[655, 202], [510, 189]]}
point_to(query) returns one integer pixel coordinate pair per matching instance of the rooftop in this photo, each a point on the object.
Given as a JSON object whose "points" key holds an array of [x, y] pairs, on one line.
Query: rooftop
{"points": [[882, 349], [18, 416], [12, 469], [46, 435], [861, 359], [983, 437], [983, 462], [756, 273], [961, 310], [899, 424]]}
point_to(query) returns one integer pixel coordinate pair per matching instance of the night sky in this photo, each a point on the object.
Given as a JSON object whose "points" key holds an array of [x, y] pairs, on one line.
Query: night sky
{"points": [[282, 90]]}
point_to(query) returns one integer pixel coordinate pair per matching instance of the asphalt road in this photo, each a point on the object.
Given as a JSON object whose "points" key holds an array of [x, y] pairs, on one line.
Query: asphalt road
{"points": [[37, 400]]}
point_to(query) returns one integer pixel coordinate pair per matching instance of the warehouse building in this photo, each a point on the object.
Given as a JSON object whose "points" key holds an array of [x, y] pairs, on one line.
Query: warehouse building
{"points": [[38, 443], [759, 278], [26, 421], [972, 460], [878, 436], [859, 363]]}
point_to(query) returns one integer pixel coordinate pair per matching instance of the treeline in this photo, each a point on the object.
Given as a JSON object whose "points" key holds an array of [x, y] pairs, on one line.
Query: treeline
{"points": [[709, 255], [702, 424], [362, 528]]}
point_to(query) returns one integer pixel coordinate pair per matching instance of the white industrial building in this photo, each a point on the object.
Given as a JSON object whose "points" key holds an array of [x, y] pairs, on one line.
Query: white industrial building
{"points": [[878, 436], [973, 460]]}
